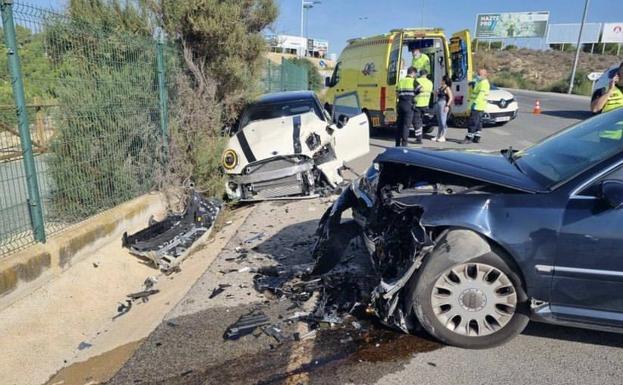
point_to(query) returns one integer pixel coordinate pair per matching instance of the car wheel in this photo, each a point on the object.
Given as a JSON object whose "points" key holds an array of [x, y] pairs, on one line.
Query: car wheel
{"points": [[472, 299]]}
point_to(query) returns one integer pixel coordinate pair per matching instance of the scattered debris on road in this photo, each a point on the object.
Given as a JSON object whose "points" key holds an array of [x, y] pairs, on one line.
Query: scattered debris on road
{"points": [[123, 308], [246, 324], [218, 290], [84, 345], [165, 243], [143, 295]]}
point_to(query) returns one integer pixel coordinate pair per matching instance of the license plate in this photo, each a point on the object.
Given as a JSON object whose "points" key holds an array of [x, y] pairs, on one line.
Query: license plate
{"points": [[503, 119]]}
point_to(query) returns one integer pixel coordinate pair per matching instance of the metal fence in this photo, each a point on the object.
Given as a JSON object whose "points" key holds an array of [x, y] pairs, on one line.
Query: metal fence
{"points": [[287, 76], [83, 120]]}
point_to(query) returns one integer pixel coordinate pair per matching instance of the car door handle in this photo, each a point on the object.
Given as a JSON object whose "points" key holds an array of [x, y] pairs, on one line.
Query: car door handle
{"points": [[591, 238]]}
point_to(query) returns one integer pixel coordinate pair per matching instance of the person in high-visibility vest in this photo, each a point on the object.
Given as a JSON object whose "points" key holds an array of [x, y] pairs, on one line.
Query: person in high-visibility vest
{"points": [[609, 98], [405, 92], [423, 93], [420, 61], [477, 103]]}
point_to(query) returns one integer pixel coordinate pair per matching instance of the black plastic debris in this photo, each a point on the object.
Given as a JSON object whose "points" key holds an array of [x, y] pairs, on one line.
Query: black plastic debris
{"points": [[123, 308], [143, 295], [275, 332], [246, 324], [218, 290], [165, 242], [84, 345]]}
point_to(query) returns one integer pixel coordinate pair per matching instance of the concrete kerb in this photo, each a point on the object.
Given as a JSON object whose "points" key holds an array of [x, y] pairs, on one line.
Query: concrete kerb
{"points": [[26, 270]]}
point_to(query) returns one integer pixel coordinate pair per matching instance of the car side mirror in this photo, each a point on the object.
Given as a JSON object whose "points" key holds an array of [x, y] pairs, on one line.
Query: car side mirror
{"points": [[341, 121], [611, 191]]}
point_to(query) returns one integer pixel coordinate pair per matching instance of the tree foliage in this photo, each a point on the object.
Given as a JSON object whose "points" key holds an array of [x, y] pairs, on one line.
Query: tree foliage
{"points": [[222, 42]]}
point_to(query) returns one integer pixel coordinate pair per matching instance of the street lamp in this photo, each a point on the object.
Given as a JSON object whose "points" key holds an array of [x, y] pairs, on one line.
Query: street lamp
{"points": [[306, 5], [578, 48]]}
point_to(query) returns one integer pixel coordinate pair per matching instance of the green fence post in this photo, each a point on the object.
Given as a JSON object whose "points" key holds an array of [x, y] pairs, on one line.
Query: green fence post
{"points": [[34, 200], [270, 78], [282, 80], [163, 95]]}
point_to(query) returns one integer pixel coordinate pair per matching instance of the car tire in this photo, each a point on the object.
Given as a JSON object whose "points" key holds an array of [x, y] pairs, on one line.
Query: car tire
{"points": [[489, 300]]}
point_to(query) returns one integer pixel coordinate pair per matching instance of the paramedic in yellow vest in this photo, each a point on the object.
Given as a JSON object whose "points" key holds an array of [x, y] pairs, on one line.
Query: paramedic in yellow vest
{"points": [[423, 92], [477, 104], [405, 92], [420, 61], [609, 98]]}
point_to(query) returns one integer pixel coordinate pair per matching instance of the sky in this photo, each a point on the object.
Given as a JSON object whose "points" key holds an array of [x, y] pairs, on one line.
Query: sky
{"points": [[339, 20]]}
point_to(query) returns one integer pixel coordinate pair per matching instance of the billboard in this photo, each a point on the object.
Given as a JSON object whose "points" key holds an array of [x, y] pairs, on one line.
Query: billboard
{"points": [[568, 33], [612, 33], [511, 25]]}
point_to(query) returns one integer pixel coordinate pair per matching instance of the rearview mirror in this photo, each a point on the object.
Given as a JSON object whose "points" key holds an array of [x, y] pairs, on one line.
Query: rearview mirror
{"points": [[341, 121], [611, 191]]}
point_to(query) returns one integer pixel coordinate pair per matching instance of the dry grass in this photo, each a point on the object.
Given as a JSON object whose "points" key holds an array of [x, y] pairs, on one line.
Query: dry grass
{"points": [[540, 70]]}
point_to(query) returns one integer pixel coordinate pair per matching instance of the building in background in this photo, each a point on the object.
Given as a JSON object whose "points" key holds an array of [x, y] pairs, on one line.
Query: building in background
{"points": [[298, 45]]}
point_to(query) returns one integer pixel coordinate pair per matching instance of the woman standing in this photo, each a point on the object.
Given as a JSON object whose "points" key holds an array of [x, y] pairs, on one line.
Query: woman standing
{"points": [[442, 107]]}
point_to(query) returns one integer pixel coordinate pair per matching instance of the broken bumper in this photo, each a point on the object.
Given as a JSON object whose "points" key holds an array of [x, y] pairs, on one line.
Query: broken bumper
{"points": [[276, 178]]}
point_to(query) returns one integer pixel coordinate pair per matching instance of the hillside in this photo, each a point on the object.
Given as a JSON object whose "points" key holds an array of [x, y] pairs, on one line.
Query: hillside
{"points": [[541, 70]]}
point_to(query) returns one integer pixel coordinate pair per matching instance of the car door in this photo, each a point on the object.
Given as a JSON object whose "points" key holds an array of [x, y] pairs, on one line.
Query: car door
{"points": [[588, 272], [352, 139], [461, 61]]}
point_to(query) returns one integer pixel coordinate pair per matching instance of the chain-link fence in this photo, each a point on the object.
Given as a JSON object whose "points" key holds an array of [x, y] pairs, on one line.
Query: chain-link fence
{"points": [[91, 122], [286, 76]]}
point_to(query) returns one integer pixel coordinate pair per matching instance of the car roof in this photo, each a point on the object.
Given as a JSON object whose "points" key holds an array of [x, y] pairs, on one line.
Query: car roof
{"points": [[285, 96]]}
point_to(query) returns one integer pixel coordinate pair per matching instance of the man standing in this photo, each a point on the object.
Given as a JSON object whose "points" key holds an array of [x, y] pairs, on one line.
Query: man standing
{"points": [[420, 61], [405, 91], [478, 103], [611, 97], [423, 92]]}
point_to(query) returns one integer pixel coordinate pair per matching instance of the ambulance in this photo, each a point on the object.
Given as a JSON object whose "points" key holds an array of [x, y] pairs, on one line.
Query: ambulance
{"points": [[372, 66]]}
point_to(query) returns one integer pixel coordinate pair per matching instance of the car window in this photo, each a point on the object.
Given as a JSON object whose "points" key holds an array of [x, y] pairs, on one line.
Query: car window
{"points": [[335, 78], [573, 150], [593, 189], [346, 104], [264, 111]]}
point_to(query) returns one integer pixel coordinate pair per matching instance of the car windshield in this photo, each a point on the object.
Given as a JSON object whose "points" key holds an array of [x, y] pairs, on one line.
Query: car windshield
{"points": [[264, 110], [573, 150]]}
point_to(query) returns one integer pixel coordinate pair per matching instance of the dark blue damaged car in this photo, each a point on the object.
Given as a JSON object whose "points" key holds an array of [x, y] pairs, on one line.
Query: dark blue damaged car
{"points": [[472, 245]]}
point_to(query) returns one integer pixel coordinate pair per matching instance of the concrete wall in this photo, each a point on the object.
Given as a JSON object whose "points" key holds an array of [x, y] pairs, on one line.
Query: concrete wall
{"points": [[26, 270]]}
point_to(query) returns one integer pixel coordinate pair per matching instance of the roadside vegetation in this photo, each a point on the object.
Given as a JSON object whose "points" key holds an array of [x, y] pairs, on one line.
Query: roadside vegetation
{"points": [[538, 70], [96, 65]]}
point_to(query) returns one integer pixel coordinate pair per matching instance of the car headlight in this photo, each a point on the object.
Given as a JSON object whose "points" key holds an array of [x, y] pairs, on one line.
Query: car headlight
{"points": [[230, 159]]}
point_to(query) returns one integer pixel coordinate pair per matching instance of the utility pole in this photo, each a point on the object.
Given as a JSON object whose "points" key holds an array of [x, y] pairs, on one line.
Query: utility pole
{"points": [[579, 47]]}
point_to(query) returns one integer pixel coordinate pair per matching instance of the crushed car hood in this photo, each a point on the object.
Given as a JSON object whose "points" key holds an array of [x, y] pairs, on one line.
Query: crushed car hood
{"points": [[268, 138], [490, 167]]}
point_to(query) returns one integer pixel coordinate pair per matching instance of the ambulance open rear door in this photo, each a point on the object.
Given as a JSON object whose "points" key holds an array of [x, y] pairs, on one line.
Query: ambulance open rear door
{"points": [[461, 60]]}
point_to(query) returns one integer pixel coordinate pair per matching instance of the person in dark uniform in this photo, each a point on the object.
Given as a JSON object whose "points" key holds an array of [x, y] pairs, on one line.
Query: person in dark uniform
{"points": [[405, 92]]}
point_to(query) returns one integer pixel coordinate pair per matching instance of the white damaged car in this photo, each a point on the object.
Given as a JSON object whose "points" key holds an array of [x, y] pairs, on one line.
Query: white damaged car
{"points": [[285, 145]]}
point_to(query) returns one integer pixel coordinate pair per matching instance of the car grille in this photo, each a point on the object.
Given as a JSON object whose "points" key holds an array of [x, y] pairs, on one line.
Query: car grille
{"points": [[292, 185], [500, 104], [271, 165]]}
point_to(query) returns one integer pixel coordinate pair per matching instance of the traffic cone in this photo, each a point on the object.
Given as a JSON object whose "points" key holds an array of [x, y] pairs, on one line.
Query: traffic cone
{"points": [[537, 108]]}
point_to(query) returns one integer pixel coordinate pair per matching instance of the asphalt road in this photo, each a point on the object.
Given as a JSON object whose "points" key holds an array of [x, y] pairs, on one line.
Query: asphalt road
{"points": [[188, 347]]}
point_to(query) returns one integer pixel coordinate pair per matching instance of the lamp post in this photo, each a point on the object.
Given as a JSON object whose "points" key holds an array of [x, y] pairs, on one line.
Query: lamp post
{"points": [[578, 48], [306, 5]]}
